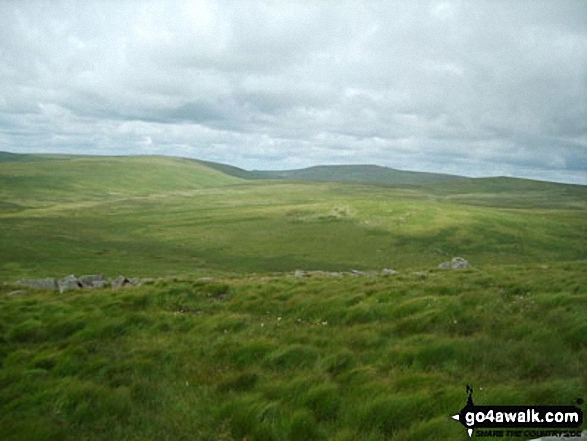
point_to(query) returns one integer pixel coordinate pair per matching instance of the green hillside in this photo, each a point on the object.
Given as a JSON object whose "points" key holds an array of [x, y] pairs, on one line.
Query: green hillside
{"points": [[40, 179], [20, 157], [371, 174], [156, 216], [494, 191]]}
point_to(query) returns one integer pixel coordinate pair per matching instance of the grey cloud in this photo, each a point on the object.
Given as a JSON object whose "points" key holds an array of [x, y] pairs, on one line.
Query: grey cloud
{"points": [[490, 85]]}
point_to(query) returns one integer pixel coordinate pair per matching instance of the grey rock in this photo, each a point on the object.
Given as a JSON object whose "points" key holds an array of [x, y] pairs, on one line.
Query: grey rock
{"points": [[48, 283], [299, 274], [68, 283], [119, 282], [18, 292], [94, 281], [455, 263], [388, 272], [122, 281], [357, 273]]}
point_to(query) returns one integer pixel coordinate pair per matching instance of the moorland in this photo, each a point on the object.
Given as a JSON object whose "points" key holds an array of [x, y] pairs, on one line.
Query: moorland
{"points": [[223, 342]]}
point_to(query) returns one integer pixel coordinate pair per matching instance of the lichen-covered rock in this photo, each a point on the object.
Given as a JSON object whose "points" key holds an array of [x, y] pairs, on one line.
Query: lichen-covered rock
{"points": [[122, 281], [94, 281], [48, 283], [388, 272], [456, 263], [299, 274], [18, 292], [68, 283]]}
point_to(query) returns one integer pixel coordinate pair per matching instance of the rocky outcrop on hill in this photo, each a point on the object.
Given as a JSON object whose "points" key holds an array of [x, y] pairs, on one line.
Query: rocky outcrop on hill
{"points": [[456, 263], [300, 274], [18, 292], [121, 281], [47, 283], [68, 283], [71, 282], [94, 281]]}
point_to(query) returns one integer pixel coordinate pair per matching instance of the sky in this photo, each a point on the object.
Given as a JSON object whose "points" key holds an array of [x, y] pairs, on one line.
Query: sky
{"points": [[476, 88]]}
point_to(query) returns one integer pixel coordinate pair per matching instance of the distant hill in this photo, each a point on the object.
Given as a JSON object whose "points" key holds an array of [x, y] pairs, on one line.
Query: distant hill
{"points": [[43, 177], [22, 157], [369, 174], [227, 169], [504, 191], [366, 174], [36, 175]]}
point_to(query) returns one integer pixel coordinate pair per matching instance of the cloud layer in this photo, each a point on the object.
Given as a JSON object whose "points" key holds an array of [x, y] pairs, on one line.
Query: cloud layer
{"points": [[475, 88]]}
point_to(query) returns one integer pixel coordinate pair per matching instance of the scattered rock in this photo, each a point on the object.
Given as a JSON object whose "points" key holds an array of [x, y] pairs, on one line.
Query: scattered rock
{"points": [[299, 274], [135, 281], [455, 263], [72, 282], [94, 281], [18, 292], [48, 283], [121, 281], [206, 279], [68, 283]]}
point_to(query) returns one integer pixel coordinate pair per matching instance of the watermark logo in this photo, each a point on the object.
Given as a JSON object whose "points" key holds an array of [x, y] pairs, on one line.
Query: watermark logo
{"points": [[490, 418]]}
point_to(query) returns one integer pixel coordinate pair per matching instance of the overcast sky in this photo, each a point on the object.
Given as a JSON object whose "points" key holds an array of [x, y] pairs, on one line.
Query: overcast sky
{"points": [[468, 87]]}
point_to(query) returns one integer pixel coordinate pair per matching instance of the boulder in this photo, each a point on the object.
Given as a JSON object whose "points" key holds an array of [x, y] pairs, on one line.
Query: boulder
{"points": [[68, 283], [455, 263], [299, 274], [48, 283], [388, 271], [122, 281], [18, 292], [94, 281]]}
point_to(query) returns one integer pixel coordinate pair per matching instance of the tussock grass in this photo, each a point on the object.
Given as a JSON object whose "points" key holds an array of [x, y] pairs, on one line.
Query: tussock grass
{"points": [[321, 358]]}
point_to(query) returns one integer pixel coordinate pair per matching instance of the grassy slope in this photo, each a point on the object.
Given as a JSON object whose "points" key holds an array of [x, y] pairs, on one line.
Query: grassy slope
{"points": [[350, 358], [367, 358], [151, 216], [44, 179], [510, 193]]}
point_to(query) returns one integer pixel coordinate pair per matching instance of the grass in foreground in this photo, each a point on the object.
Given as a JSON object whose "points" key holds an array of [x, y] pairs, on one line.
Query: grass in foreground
{"points": [[289, 359]]}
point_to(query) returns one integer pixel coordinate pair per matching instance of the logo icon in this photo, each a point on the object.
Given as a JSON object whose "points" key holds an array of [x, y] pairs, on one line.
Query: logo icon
{"points": [[514, 417]]}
